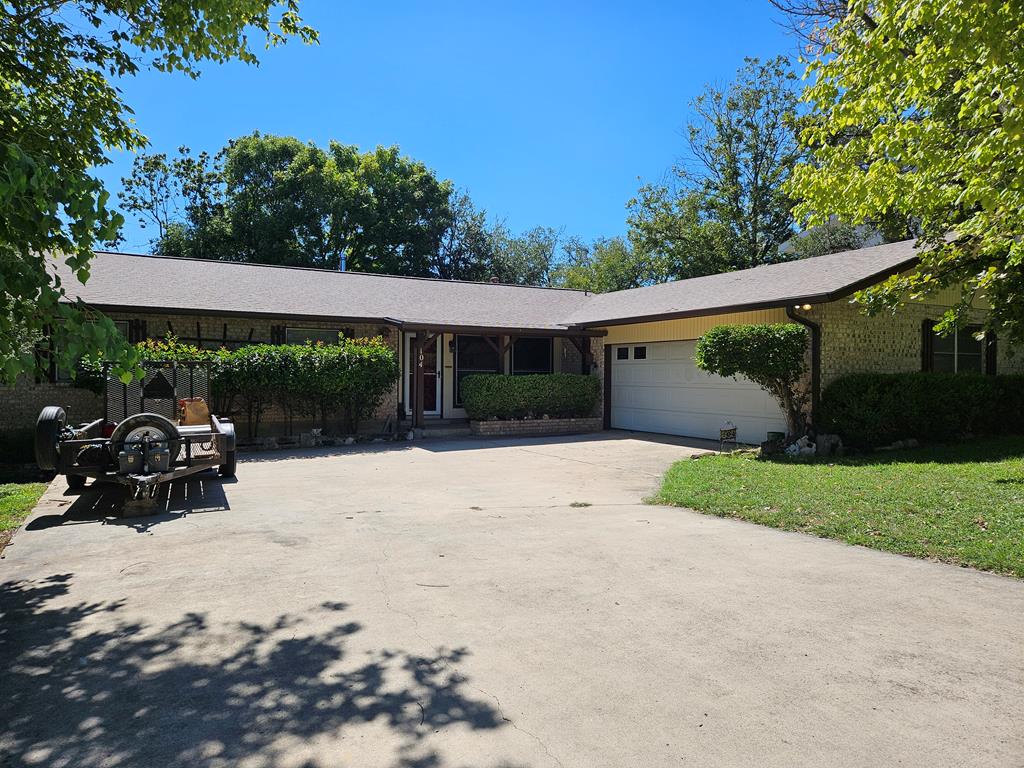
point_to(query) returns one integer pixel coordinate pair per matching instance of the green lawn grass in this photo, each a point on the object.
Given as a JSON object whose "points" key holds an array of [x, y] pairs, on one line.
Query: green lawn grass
{"points": [[16, 501], [960, 503]]}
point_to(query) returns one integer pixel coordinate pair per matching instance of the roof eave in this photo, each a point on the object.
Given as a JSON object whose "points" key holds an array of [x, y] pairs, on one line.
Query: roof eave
{"points": [[817, 298], [391, 321]]}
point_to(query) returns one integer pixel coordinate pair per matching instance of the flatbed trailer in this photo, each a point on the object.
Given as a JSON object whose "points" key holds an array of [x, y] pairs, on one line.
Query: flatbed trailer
{"points": [[141, 442]]}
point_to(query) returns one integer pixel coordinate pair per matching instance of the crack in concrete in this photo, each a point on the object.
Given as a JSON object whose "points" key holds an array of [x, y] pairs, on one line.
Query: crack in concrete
{"points": [[594, 505], [600, 465], [531, 734]]}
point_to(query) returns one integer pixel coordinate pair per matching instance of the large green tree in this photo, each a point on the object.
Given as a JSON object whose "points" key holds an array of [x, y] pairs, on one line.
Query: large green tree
{"points": [[467, 244], [831, 237], [278, 200], [60, 114], [670, 230], [918, 106], [608, 264], [399, 213], [524, 259], [725, 206], [279, 196]]}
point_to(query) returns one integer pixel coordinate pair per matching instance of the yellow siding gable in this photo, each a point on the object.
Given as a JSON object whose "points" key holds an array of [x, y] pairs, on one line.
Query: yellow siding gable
{"points": [[688, 327]]}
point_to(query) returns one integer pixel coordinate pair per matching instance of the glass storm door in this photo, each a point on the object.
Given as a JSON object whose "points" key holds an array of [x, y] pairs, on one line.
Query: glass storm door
{"points": [[431, 377]]}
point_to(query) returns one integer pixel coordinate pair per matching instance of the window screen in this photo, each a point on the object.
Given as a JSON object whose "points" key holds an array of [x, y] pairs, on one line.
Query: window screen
{"points": [[315, 335], [531, 356], [473, 354], [958, 352]]}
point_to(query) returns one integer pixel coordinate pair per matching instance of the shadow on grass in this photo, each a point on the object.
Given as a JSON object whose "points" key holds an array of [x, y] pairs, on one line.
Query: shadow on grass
{"points": [[85, 687], [982, 450]]}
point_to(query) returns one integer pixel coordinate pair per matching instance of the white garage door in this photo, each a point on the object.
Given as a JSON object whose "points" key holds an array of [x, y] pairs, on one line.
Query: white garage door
{"points": [[657, 387]]}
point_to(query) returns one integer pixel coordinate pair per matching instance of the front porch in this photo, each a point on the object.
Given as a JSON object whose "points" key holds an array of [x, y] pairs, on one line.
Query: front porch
{"points": [[435, 360]]}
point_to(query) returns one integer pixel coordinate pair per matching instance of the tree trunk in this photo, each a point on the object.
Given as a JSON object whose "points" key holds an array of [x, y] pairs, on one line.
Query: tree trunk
{"points": [[794, 414]]}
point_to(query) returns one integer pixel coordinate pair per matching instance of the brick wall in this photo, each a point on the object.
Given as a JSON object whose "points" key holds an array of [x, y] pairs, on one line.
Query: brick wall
{"points": [[852, 342], [536, 427], [22, 403]]}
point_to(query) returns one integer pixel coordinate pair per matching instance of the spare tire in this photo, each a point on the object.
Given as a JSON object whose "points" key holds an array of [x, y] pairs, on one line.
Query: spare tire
{"points": [[49, 425], [134, 428]]}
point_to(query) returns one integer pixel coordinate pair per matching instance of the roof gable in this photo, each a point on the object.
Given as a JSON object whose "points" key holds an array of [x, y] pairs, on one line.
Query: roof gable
{"points": [[814, 280]]}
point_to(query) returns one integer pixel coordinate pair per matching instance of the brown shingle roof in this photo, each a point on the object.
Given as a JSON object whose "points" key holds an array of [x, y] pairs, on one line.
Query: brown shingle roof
{"points": [[816, 280], [157, 284]]}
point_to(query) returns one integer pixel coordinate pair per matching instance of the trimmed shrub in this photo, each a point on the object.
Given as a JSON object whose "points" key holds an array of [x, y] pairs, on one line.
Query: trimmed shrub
{"points": [[772, 355], [874, 409], [344, 381], [557, 395]]}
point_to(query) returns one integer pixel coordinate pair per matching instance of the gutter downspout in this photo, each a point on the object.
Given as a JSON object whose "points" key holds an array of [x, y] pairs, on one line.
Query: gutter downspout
{"points": [[815, 329]]}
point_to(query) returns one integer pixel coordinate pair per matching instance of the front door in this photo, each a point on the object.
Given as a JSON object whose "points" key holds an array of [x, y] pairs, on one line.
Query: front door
{"points": [[431, 377]]}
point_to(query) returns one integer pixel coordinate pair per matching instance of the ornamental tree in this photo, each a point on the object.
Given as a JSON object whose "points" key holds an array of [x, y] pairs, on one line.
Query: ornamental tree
{"points": [[771, 355], [916, 111], [60, 114]]}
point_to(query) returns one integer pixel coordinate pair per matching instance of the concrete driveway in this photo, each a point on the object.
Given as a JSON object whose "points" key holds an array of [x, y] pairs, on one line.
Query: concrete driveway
{"points": [[454, 604]]}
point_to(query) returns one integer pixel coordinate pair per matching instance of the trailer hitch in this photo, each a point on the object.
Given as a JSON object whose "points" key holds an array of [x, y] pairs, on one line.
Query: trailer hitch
{"points": [[144, 487]]}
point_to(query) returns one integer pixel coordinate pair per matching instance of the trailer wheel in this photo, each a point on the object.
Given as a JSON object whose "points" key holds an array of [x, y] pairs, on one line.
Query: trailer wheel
{"points": [[227, 469], [76, 482], [134, 427], [49, 425]]}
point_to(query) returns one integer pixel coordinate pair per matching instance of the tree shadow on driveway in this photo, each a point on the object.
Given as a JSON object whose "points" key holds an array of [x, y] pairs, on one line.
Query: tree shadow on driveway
{"points": [[85, 686]]}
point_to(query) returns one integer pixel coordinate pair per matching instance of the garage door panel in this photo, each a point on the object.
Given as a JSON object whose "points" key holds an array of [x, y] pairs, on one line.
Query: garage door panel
{"points": [[666, 392]]}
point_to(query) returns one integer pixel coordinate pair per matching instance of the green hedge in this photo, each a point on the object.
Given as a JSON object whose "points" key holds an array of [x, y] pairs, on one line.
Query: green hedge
{"points": [[558, 395], [343, 382], [874, 409]]}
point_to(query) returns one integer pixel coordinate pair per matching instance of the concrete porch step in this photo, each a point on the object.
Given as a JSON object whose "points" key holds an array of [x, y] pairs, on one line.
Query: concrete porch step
{"points": [[439, 428], [439, 431]]}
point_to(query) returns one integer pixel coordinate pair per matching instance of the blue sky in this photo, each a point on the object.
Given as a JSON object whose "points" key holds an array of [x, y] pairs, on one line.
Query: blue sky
{"points": [[547, 113]]}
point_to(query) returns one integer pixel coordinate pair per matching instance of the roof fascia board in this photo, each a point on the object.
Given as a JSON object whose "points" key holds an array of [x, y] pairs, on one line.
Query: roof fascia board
{"points": [[818, 298]]}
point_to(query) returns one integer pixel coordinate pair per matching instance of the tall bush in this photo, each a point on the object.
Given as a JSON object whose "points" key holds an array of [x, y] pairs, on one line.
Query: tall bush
{"points": [[343, 382], [873, 409], [558, 395], [771, 355]]}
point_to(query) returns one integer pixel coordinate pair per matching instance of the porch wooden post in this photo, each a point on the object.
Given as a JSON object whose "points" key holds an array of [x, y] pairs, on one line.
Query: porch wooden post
{"points": [[502, 347], [585, 355], [417, 379]]}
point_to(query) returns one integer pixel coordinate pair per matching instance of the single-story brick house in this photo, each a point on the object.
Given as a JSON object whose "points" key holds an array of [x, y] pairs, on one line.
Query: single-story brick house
{"points": [[639, 342]]}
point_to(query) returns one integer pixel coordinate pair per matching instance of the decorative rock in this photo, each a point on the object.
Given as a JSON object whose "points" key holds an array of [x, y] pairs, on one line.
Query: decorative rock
{"points": [[801, 447], [828, 445]]}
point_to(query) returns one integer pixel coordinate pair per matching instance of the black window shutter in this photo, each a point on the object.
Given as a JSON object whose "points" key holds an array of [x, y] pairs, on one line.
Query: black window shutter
{"points": [[927, 334], [990, 354], [136, 331]]}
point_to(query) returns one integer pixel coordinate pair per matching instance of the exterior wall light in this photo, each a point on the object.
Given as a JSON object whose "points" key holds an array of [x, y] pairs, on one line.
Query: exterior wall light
{"points": [[805, 307]]}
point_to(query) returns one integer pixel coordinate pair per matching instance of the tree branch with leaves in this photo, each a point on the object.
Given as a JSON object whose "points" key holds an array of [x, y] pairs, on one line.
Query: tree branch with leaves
{"points": [[917, 107], [60, 114]]}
